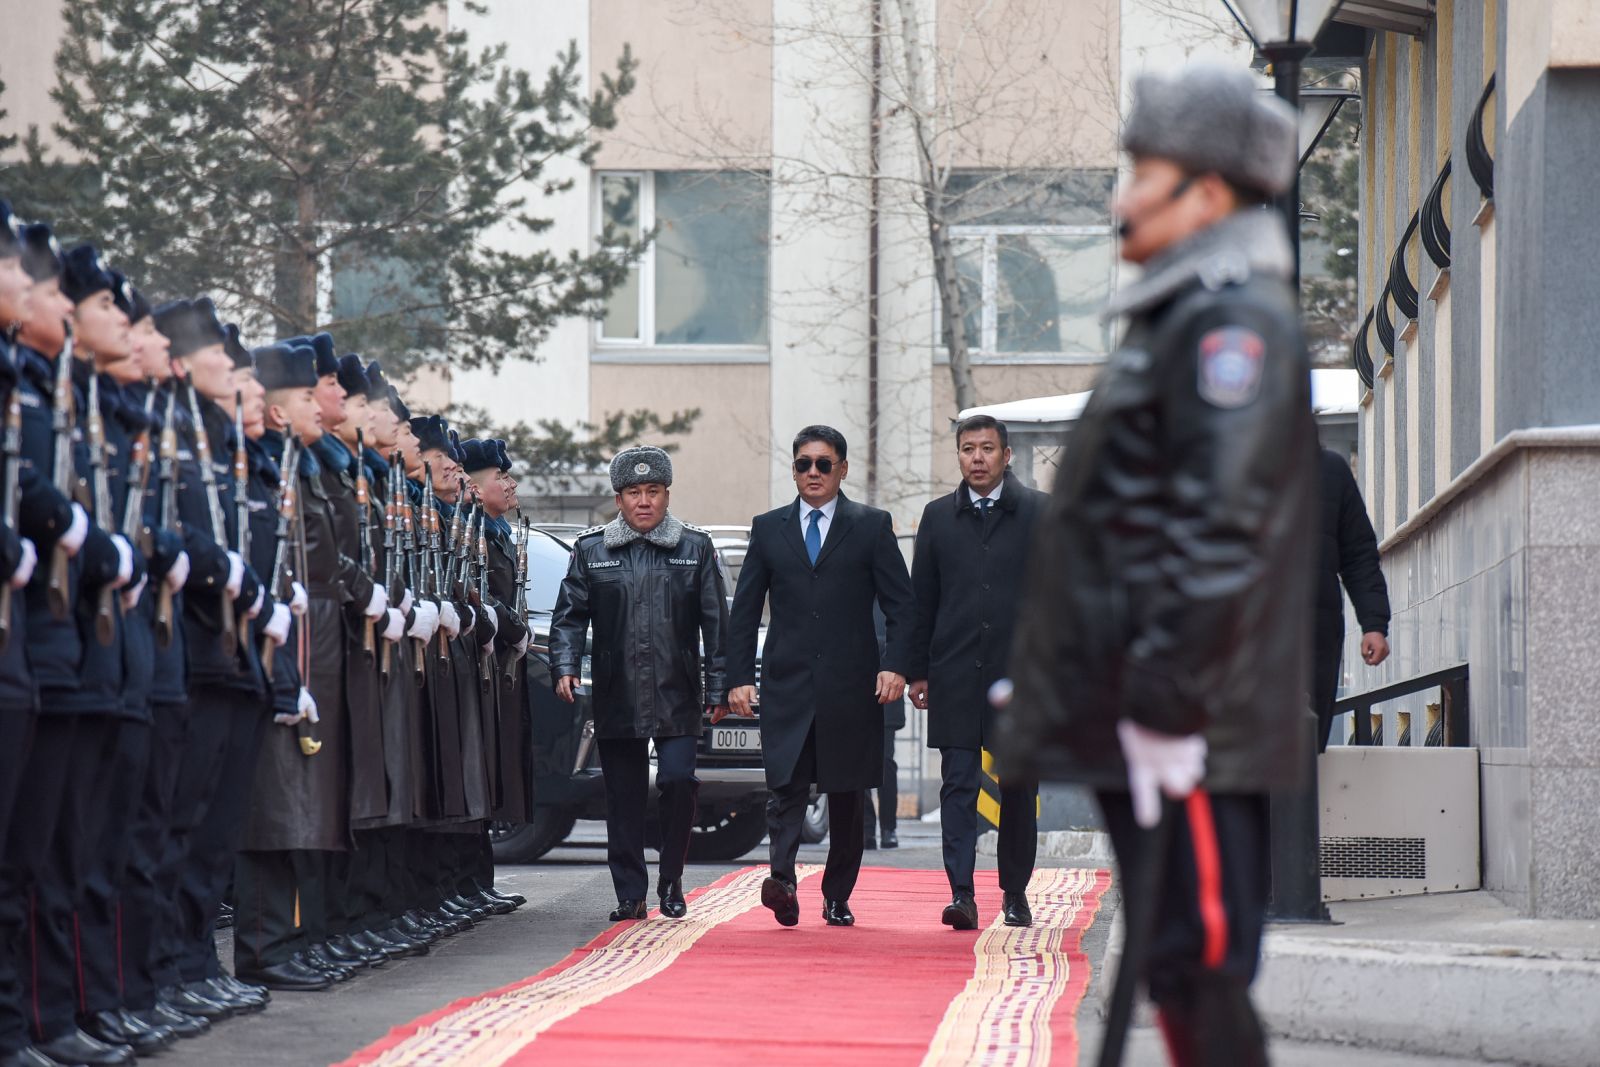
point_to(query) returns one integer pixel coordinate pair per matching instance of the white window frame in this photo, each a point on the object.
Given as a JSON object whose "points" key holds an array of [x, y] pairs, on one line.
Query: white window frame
{"points": [[643, 349], [984, 351]]}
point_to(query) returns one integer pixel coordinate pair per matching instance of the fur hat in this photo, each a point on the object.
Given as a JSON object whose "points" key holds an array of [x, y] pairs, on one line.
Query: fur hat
{"points": [[286, 365], [41, 256], [83, 274], [129, 299], [352, 376], [642, 465], [433, 433], [502, 458], [242, 359], [377, 384], [398, 406], [477, 455], [10, 232], [1213, 119], [190, 325]]}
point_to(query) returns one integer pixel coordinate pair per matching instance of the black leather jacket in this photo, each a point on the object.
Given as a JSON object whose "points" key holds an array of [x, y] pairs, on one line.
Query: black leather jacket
{"points": [[1171, 578], [651, 604]]}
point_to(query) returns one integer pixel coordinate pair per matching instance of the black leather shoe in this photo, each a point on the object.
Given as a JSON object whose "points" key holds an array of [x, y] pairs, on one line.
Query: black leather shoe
{"points": [[340, 950], [27, 1057], [180, 1023], [471, 909], [313, 958], [630, 909], [191, 1003], [889, 839], [1015, 908], [418, 929], [290, 975], [961, 913], [225, 917], [245, 989], [516, 900], [76, 1047], [136, 1025], [673, 905], [869, 844], [408, 946], [241, 1003], [838, 913], [111, 1028], [490, 904], [367, 940], [778, 896]]}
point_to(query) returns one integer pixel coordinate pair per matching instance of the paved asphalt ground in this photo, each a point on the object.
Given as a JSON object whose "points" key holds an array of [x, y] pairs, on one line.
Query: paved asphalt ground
{"points": [[569, 894]]}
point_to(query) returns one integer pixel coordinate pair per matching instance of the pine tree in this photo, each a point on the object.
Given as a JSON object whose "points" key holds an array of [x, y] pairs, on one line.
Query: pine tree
{"points": [[326, 164]]}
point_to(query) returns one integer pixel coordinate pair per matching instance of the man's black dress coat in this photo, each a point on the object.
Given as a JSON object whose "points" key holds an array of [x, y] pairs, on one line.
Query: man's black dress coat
{"points": [[821, 661], [967, 572]]}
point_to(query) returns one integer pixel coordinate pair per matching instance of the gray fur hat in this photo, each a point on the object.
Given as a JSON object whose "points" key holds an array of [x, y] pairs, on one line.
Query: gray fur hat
{"points": [[1214, 119], [640, 466]]}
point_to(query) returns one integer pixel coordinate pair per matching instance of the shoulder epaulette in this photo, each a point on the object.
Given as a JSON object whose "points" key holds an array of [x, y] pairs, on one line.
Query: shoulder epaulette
{"points": [[590, 532]]}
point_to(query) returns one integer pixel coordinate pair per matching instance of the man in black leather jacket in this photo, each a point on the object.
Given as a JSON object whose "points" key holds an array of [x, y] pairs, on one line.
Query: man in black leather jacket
{"points": [[1163, 640], [652, 590]]}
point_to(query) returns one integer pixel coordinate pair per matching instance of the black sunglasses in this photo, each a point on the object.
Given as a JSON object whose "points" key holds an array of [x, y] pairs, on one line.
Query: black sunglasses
{"points": [[803, 464]]}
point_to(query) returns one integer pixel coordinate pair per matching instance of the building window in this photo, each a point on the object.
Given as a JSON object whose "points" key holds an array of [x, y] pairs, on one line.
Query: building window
{"points": [[703, 280], [1035, 256]]}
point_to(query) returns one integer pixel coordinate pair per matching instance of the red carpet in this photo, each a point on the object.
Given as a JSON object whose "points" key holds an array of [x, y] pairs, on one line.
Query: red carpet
{"points": [[729, 986]]}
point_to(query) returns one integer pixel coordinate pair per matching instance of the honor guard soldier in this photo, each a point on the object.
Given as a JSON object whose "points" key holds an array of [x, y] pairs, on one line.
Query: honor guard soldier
{"points": [[1163, 641], [650, 588], [75, 650]]}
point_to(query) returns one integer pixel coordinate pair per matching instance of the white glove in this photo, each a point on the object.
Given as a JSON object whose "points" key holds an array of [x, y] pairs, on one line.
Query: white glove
{"points": [[522, 645], [378, 604], [395, 628], [261, 602], [130, 597], [235, 575], [285, 718], [1159, 763], [178, 573], [426, 622], [308, 706], [277, 626], [77, 531], [405, 603], [300, 601], [470, 623], [25, 565], [124, 561], [449, 621]]}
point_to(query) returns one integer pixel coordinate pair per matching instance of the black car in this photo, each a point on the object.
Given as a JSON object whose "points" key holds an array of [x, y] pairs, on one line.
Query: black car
{"points": [[566, 768]]}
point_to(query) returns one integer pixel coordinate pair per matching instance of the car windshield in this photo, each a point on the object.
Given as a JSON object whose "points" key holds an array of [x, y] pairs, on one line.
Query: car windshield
{"points": [[547, 565]]}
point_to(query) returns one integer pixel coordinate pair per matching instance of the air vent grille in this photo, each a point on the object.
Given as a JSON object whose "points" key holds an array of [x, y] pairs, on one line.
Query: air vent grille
{"points": [[1374, 857]]}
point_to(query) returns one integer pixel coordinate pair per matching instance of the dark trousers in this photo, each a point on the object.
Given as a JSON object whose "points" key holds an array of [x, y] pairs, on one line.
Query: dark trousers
{"points": [[42, 744], [625, 762], [217, 838], [888, 791], [786, 812], [279, 905], [100, 919], [958, 817], [205, 743], [66, 860], [1211, 903], [1326, 661], [147, 893]]}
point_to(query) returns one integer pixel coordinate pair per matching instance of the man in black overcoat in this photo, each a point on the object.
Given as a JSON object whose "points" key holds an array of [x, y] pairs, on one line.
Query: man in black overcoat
{"points": [[967, 572], [1349, 554], [822, 560]]}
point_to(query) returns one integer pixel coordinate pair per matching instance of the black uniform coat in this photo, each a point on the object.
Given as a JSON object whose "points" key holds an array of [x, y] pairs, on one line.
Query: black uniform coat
{"points": [[399, 693], [967, 574], [513, 793], [1170, 581], [446, 795], [169, 666], [820, 664], [654, 602]]}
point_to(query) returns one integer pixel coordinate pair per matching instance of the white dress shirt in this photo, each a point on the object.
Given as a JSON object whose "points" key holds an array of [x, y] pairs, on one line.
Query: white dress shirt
{"points": [[993, 495], [823, 523]]}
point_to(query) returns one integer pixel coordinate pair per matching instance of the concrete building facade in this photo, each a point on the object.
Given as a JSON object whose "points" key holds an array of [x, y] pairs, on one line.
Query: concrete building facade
{"points": [[1480, 428]]}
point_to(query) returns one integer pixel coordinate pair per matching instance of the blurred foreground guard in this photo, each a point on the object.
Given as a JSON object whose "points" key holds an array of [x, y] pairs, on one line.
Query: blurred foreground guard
{"points": [[1163, 638]]}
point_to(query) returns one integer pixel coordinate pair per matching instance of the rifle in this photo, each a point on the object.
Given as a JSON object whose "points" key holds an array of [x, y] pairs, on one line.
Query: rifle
{"points": [[486, 667], [309, 744], [11, 450], [454, 557], [219, 525], [105, 612], [364, 524], [58, 586], [287, 473], [241, 493], [167, 506], [430, 516], [519, 544], [389, 569], [134, 528], [406, 517]]}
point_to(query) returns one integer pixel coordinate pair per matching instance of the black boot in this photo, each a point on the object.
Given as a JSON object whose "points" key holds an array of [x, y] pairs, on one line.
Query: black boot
{"points": [[672, 902]]}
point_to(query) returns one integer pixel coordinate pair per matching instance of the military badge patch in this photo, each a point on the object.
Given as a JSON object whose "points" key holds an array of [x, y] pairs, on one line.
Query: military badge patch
{"points": [[1230, 366]]}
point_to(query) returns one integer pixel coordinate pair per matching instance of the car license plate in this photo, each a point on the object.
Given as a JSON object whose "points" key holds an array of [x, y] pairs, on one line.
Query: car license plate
{"points": [[735, 739]]}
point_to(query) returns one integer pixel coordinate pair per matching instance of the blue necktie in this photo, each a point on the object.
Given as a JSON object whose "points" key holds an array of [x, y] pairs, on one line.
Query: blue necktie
{"points": [[814, 536]]}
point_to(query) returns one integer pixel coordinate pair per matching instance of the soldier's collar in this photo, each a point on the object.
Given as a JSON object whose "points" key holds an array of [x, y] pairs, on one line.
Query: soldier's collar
{"points": [[1250, 241], [666, 534]]}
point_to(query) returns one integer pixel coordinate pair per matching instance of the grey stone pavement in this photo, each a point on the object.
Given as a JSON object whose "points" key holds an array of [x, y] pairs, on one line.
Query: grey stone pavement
{"points": [[569, 894]]}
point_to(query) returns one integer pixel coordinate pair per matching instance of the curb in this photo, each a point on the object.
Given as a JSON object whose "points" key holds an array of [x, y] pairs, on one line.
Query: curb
{"points": [[1082, 846]]}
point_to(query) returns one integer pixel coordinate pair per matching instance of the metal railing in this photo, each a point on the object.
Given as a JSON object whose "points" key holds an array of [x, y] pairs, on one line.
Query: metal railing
{"points": [[1452, 728]]}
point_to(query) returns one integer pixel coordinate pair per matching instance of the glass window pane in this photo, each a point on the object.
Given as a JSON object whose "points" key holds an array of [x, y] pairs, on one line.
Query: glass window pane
{"points": [[969, 279], [1031, 198], [619, 205], [1050, 292], [711, 258], [622, 311]]}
